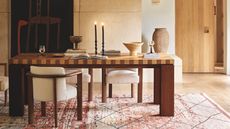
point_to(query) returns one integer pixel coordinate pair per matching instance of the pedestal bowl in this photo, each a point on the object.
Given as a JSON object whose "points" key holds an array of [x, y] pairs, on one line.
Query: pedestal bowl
{"points": [[133, 47]]}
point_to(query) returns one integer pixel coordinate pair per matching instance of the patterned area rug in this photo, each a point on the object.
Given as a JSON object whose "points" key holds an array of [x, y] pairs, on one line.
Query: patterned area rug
{"points": [[192, 111]]}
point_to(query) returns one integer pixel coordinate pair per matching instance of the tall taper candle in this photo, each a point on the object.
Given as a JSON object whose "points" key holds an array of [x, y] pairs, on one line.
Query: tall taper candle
{"points": [[103, 39], [95, 27]]}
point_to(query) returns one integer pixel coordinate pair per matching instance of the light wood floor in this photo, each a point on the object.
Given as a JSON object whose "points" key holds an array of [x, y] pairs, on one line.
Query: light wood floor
{"points": [[216, 86]]}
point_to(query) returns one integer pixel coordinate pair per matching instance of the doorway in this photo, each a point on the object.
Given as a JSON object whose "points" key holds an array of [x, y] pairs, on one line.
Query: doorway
{"points": [[219, 66], [200, 35]]}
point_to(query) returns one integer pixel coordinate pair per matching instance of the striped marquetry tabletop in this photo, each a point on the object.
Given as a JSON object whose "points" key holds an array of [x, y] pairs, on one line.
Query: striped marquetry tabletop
{"points": [[35, 59]]}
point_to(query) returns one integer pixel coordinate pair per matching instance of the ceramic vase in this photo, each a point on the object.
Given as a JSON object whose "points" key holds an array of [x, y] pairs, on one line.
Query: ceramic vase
{"points": [[161, 39]]}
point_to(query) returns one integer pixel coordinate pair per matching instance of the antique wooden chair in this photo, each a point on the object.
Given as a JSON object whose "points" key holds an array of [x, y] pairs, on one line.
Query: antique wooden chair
{"points": [[41, 19]]}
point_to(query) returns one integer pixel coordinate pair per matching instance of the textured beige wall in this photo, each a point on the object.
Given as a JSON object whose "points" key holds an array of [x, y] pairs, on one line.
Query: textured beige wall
{"points": [[4, 30], [122, 19]]}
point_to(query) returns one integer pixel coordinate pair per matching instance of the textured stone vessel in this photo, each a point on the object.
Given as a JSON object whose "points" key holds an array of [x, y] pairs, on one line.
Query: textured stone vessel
{"points": [[161, 39]]}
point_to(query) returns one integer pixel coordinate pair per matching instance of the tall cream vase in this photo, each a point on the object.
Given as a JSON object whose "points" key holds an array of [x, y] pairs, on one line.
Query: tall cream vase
{"points": [[161, 39]]}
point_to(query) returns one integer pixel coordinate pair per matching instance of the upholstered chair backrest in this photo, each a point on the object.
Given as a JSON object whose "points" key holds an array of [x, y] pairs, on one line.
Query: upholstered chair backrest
{"points": [[43, 87]]}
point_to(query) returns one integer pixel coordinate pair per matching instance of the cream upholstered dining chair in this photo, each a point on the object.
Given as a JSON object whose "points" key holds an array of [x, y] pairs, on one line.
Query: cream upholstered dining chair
{"points": [[49, 84], [4, 82], [121, 76], [86, 78]]}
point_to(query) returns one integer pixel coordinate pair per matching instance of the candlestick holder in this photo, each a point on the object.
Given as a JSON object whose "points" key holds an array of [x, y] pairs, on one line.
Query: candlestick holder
{"points": [[103, 49], [95, 29], [95, 47], [103, 39], [151, 44]]}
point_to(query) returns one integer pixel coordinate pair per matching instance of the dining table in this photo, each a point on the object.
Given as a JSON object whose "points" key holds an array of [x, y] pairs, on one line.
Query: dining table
{"points": [[163, 80]]}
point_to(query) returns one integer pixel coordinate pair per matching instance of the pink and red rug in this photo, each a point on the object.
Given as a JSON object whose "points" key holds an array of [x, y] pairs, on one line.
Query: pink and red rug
{"points": [[192, 111]]}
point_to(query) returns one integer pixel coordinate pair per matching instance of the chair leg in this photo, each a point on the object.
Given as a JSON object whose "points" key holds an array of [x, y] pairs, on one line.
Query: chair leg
{"points": [[43, 108], [140, 85], [55, 113], [58, 36], [79, 97], [47, 35], [5, 97], [110, 90], [132, 90], [55, 102], [31, 111], [90, 86], [28, 38], [104, 86], [30, 101], [36, 37]]}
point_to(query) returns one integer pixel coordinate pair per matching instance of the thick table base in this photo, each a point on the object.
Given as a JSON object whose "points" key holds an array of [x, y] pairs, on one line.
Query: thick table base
{"points": [[157, 85], [16, 90], [167, 90]]}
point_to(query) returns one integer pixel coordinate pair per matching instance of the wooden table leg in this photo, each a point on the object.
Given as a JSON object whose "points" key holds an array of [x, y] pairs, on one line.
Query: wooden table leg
{"points": [[79, 96], [90, 85], [157, 86], [140, 85], [104, 86], [167, 90], [16, 91]]}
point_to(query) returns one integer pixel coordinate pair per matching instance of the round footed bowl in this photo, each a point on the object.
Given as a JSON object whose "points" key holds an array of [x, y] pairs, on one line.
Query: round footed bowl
{"points": [[133, 47]]}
